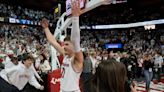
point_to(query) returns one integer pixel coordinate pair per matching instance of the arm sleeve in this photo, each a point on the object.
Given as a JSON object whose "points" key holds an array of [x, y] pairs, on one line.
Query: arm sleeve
{"points": [[48, 67], [4, 73], [34, 82], [35, 73], [75, 34]]}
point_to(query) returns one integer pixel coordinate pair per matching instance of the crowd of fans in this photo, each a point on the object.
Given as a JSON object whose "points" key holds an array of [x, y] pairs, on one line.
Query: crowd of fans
{"points": [[16, 40], [19, 12], [131, 39], [139, 45], [136, 41], [120, 14]]}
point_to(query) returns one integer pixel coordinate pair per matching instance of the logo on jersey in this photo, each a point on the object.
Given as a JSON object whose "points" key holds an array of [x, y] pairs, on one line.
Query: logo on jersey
{"points": [[55, 80], [65, 65]]}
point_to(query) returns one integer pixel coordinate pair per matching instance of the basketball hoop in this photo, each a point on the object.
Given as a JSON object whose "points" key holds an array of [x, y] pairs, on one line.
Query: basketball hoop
{"points": [[107, 2], [63, 24]]}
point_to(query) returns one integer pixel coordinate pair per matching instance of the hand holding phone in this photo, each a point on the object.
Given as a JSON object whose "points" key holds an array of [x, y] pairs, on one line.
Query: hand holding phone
{"points": [[133, 86]]}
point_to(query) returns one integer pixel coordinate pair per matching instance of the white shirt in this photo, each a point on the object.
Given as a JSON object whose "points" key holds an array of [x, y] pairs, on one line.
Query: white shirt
{"points": [[45, 67], [93, 60], [35, 72], [158, 61], [37, 63], [118, 59], [70, 78], [8, 63], [19, 76], [99, 58]]}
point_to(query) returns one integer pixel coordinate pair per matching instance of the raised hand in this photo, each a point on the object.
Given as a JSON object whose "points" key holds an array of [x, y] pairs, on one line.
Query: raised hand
{"points": [[41, 88], [76, 11], [133, 87], [44, 23]]}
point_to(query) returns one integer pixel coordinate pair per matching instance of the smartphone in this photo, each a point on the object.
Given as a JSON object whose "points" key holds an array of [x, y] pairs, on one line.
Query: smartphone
{"points": [[128, 83], [132, 83]]}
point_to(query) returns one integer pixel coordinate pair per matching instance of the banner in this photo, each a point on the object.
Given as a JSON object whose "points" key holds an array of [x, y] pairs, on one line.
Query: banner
{"points": [[107, 46], [2, 19], [17, 21], [28, 22], [12, 20], [23, 21], [128, 25], [32, 23]]}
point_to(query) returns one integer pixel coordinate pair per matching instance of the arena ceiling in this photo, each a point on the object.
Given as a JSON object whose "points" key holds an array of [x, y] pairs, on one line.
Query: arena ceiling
{"points": [[47, 5], [136, 5]]}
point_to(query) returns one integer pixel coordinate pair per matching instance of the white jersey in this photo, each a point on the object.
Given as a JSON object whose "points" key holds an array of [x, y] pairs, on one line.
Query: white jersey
{"points": [[70, 78]]}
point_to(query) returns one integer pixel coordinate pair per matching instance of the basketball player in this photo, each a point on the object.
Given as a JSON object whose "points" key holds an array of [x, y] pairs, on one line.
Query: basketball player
{"points": [[73, 57]]}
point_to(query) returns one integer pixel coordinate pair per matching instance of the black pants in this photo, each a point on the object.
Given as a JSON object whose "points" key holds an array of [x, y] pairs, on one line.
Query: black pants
{"points": [[85, 81], [45, 83], [139, 72], [29, 88], [157, 74], [6, 87]]}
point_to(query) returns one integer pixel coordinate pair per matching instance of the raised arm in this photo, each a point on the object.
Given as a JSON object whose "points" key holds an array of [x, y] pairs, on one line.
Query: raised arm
{"points": [[50, 37], [75, 36]]}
